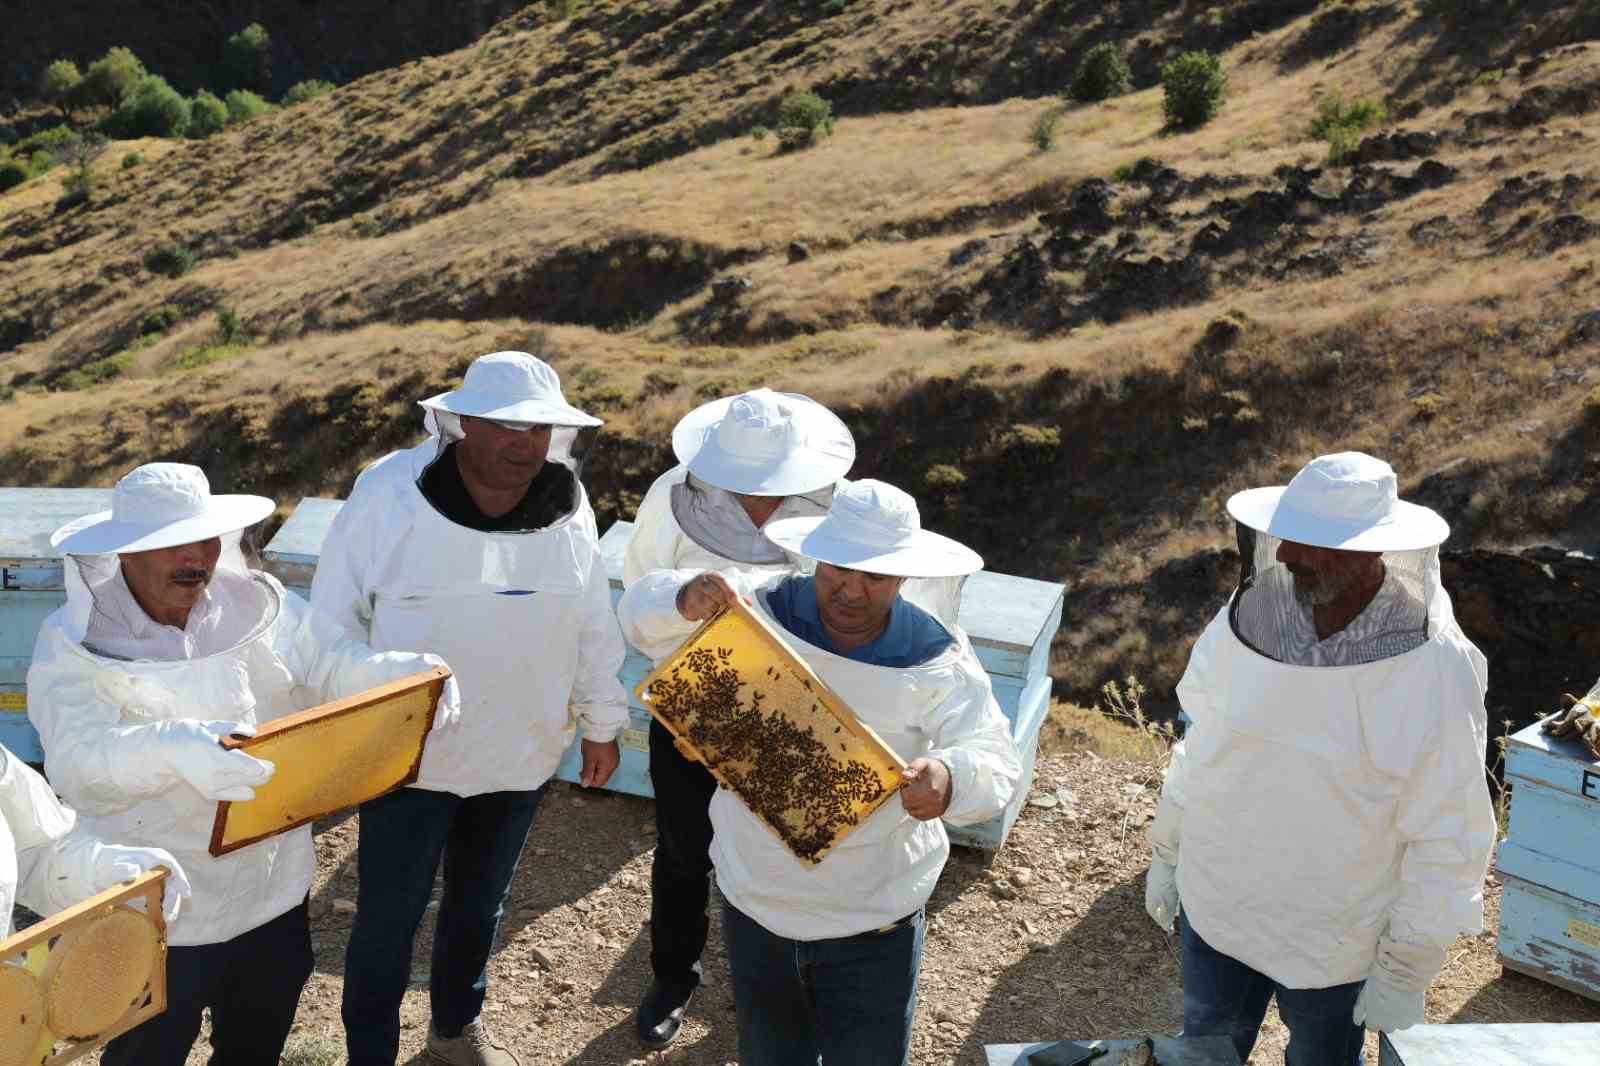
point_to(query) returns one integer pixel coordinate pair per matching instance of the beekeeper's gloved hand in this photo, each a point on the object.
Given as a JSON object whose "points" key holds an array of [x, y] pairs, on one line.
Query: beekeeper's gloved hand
{"points": [[398, 665], [116, 863], [1578, 718], [1161, 883], [1391, 999], [190, 748], [447, 713]]}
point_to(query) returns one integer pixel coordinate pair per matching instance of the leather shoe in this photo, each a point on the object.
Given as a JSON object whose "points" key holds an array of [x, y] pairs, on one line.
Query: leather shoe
{"points": [[661, 1014]]}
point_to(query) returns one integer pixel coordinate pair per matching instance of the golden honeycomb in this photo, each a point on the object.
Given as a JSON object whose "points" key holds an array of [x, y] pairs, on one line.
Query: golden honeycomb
{"points": [[737, 698], [332, 757], [23, 1040], [99, 971]]}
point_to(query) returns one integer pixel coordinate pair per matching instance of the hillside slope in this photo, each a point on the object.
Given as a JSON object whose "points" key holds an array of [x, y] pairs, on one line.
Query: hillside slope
{"points": [[1073, 356]]}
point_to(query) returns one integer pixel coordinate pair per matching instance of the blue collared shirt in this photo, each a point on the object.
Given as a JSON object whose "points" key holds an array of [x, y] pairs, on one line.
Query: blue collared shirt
{"points": [[913, 636]]}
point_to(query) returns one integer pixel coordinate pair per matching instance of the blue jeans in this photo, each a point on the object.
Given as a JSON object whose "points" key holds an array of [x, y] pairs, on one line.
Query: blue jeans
{"points": [[403, 836], [1224, 997], [845, 1002]]}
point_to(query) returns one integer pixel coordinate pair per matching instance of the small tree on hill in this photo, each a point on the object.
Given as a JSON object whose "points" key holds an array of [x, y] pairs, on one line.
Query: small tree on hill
{"points": [[60, 85], [80, 155], [300, 92], [247, 59], [112, 77], [207, 115], [803, 119], [244, 106], [154, 109], [1102, 74], [1193, 86]]}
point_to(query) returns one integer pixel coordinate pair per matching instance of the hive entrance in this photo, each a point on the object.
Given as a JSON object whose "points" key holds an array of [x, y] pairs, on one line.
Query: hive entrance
{"points": [[736, 698]]}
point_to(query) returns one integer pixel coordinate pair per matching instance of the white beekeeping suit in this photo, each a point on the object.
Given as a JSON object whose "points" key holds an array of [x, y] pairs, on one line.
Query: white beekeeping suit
{"points": [[941, 708], [759, 443], [130, 739], [47, 864], [524, 617], [1327, 812]]}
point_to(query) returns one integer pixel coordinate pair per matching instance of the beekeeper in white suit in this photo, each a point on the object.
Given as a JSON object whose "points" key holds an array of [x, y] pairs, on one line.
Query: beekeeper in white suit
{"points": [[478, 543], [1325, 826], [743, 461], [166, 643], [47, 863], [824, 958]]}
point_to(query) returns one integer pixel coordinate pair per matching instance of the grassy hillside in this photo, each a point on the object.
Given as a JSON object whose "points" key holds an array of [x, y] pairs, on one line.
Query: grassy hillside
{"points": [[1072, 356]]}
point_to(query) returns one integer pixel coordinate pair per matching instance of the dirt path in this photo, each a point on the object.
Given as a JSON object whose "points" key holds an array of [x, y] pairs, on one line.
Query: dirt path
{"points": [[1048, 939]]}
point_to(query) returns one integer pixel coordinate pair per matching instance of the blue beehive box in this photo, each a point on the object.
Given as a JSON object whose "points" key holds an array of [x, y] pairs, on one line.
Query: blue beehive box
{"points": [[1550, 863], [1576, 1044], [31, 587], [1010, 620]]}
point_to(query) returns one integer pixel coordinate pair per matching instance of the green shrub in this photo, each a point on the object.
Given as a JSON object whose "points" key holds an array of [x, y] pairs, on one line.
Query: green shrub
{"points": [[173, 260], [206, 354], [247, 58], [834, 7], [160, 319], [154, 109], [561, 9], [1193, 86], [12, 174], [229, 329], [1028, 448], [804, 118], [207, 115], [131, 160], [942, 477], [759, 133], [1102, 73], [1045, 129], [95, 373], [60, 84], [1333, 112], [55, 142], [244, 105], [111, 77], [300, 92]]}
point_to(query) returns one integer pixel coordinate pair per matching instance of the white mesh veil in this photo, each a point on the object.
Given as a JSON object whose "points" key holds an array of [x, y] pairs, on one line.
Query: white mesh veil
{"points": [[713, 518], [569, 445], [1268, 616], [104, 617]]}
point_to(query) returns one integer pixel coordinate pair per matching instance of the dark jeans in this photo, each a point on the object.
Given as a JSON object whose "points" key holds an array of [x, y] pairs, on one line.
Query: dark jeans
{"points": [[845, 1002], [1224, 997], [680, 872], [252, 984], [403, 836]]}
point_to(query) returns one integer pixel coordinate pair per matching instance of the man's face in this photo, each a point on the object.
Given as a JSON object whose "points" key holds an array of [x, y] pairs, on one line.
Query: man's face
{"points": [[499, 458], [854, 602], [167, 582], [1323, 575]]}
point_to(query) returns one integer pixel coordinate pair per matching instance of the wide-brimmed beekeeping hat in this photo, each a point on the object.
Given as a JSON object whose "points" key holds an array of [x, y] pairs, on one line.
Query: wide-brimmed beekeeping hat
{"points": [[1348, 501], [875, 527], [160, 505], [764, 443], [511, 387]]}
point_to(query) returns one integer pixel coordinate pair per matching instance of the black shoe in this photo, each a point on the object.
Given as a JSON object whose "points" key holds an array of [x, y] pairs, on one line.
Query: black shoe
{"points": [[661, 1014]]}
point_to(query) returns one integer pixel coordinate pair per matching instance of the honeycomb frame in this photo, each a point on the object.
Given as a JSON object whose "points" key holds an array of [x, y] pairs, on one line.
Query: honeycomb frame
{"points": [[821, 771], [381, 722]]}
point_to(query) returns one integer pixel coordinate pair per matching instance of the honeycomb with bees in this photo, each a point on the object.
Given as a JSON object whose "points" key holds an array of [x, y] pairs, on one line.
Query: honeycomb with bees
{"points": [[736, 698]]}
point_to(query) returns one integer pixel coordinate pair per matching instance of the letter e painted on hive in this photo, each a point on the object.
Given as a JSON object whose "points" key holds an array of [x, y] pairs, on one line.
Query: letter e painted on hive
{"points": [[1591, 784]]}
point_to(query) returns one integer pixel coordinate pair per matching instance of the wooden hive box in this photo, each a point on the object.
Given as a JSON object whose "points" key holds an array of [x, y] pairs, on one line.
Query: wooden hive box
{"points": [[1491, 1045], [1169, 1051], [31, 587], [81, 977], [1550, 863], [1010, 620], [737, 698], [331, 757]]}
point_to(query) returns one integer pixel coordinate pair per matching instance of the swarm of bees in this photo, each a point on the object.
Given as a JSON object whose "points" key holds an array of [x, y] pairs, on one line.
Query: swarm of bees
{"points": [[770, 741]]}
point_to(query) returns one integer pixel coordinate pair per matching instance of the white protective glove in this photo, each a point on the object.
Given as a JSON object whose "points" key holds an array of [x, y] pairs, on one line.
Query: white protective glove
{"points": [[1161, 883], [1391, 999], [447, 713], [190, 748], [115, 864], [394, 666]]}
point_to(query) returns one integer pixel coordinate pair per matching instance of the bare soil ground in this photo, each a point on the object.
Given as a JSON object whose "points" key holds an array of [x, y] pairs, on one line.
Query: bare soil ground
{"points": [[1045, 940]]}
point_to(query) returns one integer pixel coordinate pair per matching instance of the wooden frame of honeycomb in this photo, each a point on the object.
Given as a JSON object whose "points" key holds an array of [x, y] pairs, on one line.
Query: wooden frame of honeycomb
{"points": [[68, 987], [330, 757], [736, 698]]}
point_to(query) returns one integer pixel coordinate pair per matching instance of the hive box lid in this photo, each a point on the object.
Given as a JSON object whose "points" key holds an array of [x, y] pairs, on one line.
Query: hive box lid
{"points": [[999, 611], [29, 516], [1561, 763], [1492, 1045], [1170, 1051]]}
